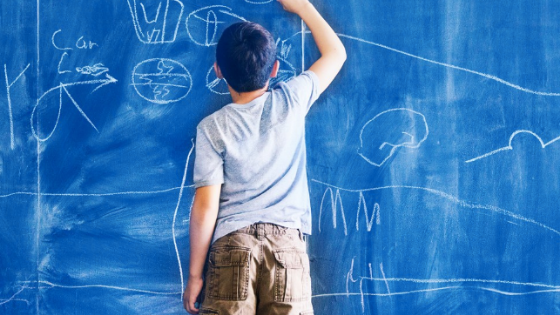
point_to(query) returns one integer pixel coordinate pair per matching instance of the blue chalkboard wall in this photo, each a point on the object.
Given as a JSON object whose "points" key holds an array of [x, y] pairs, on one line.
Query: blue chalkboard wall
{"points": [[433, 159]]}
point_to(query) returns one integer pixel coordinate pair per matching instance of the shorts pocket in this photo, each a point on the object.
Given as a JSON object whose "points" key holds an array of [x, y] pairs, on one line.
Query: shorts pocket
{"points": [[228, 273], [292, 279]]}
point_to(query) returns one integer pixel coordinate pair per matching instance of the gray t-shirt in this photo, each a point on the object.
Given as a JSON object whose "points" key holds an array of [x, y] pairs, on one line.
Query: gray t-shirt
{"points": [[257, 151]]}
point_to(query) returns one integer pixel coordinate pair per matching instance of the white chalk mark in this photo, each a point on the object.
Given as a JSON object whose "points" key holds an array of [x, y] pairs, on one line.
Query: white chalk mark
{"points": [[64, 55], [158, 82], [259, 2], [350, 277], [376, 214], [466, 280], [384, 278], [95, 70], [212, 85], [444, 195], [149, 30], [510, 147], [437, 289], [109, 80], [12, 298], [175, 218], [38, 218], [10, 112], [79, 108], [146, 15], [385, 294], [211, 20], [102, 82], [335, 202], [488, 76], [373, 124], [54, 285], [362, 294], [150, 192], [53, 41]]}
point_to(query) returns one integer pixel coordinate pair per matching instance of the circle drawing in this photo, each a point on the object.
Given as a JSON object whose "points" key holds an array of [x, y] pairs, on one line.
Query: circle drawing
{"points": [[206, 24], [161, 80]]}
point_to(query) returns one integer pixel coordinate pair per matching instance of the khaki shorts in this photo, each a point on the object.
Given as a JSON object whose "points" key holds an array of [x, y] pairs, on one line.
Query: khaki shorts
{"points": [[260, 269]]}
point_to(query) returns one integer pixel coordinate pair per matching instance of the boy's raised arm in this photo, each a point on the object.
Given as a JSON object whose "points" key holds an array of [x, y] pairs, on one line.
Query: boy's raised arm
{"points": [[333, 53]]}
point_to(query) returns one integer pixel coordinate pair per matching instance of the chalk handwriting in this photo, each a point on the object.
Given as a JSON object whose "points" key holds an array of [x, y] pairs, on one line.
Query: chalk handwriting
{"points": [[509, 147], [10, 113], [64, 55], [81, 43], [54, 42]]}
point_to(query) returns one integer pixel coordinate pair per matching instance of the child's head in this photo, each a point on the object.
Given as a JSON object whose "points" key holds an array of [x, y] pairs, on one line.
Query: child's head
{"points": [[246, 54]]}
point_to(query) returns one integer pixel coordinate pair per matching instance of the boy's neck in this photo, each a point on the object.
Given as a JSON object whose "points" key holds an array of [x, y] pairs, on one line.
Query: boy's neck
{"points": [[246, 97]]}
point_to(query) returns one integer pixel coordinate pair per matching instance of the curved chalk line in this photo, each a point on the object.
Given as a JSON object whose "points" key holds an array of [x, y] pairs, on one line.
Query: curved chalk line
{"points": [[450, 198]]}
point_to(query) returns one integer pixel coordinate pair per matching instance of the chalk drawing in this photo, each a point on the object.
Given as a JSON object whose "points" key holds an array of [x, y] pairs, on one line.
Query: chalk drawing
{"points": [[286, 70], [215, 84], [175, 218], [447, 65], [204, 25], [337, 205], [350, 278], [63, 88], [161, 80], [13, 297], [155, 24], [258, 2], [384, 134], [509, 147], [10, 113], [95, 70]]}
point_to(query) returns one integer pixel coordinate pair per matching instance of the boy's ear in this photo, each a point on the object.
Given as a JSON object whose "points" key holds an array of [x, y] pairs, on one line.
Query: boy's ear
{"points": [[275, 68], [218, 71]]}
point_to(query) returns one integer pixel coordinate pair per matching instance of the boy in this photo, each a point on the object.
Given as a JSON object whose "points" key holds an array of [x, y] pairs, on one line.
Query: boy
{"points": [[250, 174]]}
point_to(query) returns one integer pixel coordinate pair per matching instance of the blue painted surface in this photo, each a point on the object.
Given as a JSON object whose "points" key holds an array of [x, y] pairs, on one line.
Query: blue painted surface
{"points": [[433, 158]]}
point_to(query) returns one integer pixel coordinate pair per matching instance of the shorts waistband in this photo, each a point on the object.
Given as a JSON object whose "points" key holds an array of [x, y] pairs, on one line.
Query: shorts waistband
{"points": [[263, 228]]}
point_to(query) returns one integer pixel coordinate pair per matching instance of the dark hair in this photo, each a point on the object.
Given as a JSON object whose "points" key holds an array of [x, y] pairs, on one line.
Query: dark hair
{"points": [[246, 53]]}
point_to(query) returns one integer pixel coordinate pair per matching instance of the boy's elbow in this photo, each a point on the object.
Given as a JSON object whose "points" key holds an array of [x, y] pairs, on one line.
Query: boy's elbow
{"points": [[341, 52]]}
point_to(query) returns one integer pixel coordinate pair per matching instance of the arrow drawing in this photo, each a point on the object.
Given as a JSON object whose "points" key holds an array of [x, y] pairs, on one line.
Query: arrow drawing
{"points": [[62, 87]]}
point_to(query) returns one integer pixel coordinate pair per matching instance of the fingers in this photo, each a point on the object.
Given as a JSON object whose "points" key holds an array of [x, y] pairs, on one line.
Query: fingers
{"points": [[192, 309], [189, 303]]}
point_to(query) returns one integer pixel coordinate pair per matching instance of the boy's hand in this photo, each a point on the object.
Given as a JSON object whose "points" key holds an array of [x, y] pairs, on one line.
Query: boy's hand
{"points": [[293, 6], [192, 291]]}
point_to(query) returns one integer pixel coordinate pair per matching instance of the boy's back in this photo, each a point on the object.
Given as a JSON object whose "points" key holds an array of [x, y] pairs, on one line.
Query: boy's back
{"points": [[257, 151], [250, 175]]}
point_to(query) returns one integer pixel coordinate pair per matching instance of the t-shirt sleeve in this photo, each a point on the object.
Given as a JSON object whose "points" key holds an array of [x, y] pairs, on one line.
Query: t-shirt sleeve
{"points": [[304, 89], [208, 163]]}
